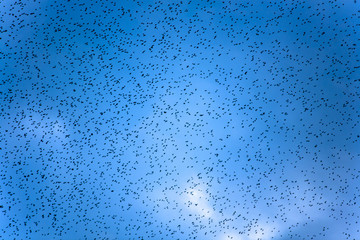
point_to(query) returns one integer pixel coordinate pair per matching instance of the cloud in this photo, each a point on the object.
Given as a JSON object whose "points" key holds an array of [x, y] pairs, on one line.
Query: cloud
{"points": [[231, 236], [197, 202], [263, 231]]}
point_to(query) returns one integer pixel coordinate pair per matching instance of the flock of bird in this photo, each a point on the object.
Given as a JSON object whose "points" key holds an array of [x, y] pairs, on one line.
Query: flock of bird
{"points": [[179, 120]]}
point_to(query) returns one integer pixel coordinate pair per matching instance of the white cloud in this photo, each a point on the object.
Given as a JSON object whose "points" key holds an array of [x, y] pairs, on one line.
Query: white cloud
{"points": [[196, 200], [231, 236], [263, 231]]}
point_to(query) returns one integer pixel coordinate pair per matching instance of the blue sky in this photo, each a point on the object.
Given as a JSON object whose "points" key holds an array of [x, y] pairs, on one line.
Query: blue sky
{"points": [[179, 120]]}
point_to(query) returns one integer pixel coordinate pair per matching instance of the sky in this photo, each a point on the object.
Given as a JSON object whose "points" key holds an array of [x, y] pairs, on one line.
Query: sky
{"points": [[179, 120]]}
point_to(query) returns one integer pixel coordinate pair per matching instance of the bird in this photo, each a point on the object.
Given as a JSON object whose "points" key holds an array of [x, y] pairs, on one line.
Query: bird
{"points": [[179, 120]]}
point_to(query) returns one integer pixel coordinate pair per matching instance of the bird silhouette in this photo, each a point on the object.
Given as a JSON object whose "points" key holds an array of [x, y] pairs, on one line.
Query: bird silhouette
{"points": [[196, 119]]}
